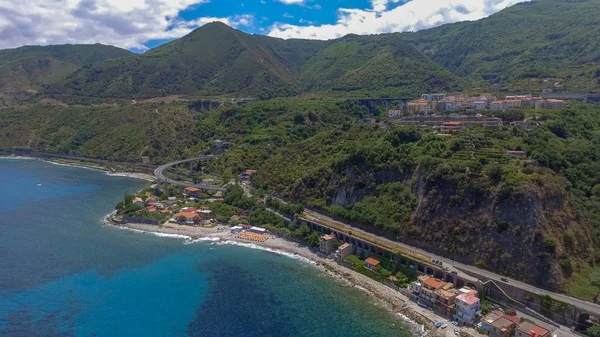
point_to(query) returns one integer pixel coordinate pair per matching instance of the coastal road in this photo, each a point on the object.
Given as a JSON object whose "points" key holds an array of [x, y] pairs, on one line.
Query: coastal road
{"points": [[590, 307], [161, 177]]}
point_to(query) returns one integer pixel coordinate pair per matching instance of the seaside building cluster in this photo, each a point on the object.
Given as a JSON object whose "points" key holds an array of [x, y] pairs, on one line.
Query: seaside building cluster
{"points": [[448, 114]]}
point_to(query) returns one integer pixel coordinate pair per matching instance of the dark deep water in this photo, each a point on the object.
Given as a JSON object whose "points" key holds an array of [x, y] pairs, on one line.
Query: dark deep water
{"points": [[63, 273]]}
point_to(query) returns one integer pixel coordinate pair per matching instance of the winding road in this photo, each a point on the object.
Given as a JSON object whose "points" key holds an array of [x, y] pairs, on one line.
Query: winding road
{"points": [[161, 176]]}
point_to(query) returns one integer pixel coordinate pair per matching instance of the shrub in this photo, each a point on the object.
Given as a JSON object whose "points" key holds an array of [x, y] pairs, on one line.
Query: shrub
{"points": [[550, 244]]}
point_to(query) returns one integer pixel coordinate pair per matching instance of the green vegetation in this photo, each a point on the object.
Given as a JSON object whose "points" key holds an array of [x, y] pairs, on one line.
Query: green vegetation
{"points": [[30, 67], [504, 48], [593, 331], [549, 305], [404, 275], [216, 59]]}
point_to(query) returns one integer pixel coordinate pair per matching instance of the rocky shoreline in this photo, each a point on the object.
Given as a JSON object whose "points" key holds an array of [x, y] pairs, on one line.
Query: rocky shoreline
{"points": [[422, 320]]}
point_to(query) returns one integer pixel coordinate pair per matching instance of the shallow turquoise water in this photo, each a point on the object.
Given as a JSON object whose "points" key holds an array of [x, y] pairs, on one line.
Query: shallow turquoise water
{"points": [[62, 273]]}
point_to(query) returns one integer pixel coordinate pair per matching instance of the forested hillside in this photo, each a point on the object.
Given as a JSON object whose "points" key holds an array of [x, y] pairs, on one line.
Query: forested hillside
{"points": [[216, 59], [462, 197], [530, 40], [28, 68]]}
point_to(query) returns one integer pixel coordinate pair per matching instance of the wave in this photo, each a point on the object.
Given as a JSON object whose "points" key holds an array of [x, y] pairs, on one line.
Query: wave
{"points": [[417, 328], [202, 239]]}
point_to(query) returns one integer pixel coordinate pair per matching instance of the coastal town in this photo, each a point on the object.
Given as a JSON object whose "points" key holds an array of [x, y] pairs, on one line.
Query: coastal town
{"points": [[449, 309], [448, 114]]}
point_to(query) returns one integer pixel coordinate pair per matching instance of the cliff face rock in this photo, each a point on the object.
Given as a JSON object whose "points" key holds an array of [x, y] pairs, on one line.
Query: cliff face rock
{"points": [[532, 235], [529, 231]]}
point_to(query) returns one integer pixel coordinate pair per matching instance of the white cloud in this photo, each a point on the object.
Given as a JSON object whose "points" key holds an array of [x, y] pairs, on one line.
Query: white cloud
{"points": [[292, 2], [123, 23], [413, 15]]}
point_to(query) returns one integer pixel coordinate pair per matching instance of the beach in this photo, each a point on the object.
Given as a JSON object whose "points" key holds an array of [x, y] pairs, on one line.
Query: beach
{"points": [[391, 299]]}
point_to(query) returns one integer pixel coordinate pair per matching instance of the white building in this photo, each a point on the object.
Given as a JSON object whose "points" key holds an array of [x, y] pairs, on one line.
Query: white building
{"points": [[394, 113], [433, 97], [497, 106], [467, 305], [479, 105]]}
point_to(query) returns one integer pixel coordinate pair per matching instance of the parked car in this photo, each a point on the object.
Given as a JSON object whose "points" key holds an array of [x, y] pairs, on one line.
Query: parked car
{"points": [[454, 272], [438, 324], [444, 326], [446, 269], [504, 279], [456, 331]]}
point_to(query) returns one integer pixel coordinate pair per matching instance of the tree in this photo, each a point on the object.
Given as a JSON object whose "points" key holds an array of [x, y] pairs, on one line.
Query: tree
{"points": [[385, 273], [593, 331], [313, 239], [402, 279]]}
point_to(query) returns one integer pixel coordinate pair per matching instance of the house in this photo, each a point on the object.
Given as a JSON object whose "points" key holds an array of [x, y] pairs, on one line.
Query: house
{"points": [[257, 230], [165, 211], [246, 175], [550, 104], [529, 126], [187, 217], [428, 295], [433, 97], [527, 329], [343, 251], [326, 244], [512, 103], [145, 159], [204, 213], [138, 201], [394, 113], [497, 106], [493, 123], [451, 127], [372, 264], [467, 306], [246, 227], [191, 191], [479, 105], [519, 154], [445, 300], [151, 209], [419, 106], [498, 324], [187, 210], [236, 229]]}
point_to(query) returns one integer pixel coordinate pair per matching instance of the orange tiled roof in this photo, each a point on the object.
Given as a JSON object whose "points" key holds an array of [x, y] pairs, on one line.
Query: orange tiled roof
{"points": [[434, 282], [372, 261]]}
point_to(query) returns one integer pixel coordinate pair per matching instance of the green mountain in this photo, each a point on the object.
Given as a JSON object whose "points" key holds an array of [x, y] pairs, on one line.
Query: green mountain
{"points": [[382, 63], [29, 67], [212, 60], [216, 59], [522, 44]]}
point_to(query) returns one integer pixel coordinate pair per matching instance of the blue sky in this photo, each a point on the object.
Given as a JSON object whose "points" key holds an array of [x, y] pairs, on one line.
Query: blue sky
{"points": [[139, 25]]}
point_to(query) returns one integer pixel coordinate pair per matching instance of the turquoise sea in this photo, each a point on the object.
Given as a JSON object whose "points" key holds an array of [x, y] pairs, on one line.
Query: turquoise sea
{"points": [[64, 273]]}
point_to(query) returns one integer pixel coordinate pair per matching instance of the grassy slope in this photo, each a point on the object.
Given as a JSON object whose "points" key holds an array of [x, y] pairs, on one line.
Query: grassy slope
{"points": [[542, 38]]}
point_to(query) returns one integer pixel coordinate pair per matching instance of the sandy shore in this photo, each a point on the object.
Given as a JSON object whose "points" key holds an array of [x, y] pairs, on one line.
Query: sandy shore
{"points": [[422, 320]]}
